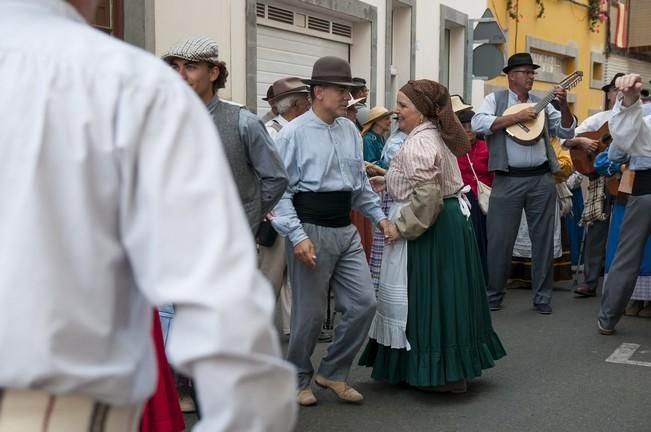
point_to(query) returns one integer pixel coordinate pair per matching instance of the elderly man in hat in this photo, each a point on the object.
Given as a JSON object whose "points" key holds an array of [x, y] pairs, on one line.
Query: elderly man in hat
{"points": [[523, 180], [596, 236], [291, 98], [258, 171], [113, 200], [322, 152]]}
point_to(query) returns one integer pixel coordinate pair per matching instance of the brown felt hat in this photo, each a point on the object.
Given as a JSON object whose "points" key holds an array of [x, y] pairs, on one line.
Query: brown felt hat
{"points": [[331, 70], [287, 86]]}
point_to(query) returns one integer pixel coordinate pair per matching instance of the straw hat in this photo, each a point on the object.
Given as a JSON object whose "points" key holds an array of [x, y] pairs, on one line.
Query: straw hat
{"points": [[375, 114], [458, 104]]}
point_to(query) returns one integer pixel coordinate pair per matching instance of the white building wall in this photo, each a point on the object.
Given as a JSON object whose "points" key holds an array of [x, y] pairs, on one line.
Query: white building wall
{"points": [[225, 21]]}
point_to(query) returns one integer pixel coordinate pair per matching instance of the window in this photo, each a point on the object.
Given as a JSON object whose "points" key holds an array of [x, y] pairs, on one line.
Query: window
{"points": [[550, 63], [108, 17]]}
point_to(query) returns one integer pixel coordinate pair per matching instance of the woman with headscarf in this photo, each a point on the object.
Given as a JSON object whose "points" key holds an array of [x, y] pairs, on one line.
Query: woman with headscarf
{"points": [[432, 328]]}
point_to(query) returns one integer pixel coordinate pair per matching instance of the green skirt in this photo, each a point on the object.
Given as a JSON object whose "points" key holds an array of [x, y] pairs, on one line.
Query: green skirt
{"points": [[449, 324]]}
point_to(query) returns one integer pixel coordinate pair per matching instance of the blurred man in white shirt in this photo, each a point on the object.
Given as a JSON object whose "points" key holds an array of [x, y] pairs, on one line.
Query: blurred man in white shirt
{"points": [[117, 195]]}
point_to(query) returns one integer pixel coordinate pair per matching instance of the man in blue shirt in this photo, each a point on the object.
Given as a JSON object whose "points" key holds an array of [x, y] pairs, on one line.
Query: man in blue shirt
{"points": [[322, 152]]}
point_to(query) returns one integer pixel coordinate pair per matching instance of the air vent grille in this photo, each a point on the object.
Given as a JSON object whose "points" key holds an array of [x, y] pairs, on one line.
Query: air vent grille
{"points": [[318, 24], [281, 15], [259, 10], [342, 30]]}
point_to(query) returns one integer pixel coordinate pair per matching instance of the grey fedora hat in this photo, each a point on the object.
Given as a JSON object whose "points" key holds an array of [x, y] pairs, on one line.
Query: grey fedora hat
{"points": [[331, 70]]}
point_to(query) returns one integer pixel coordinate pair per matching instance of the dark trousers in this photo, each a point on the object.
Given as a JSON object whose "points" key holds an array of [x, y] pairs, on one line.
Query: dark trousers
{"points": [[509, 196], [625, 269], [594, 252]]}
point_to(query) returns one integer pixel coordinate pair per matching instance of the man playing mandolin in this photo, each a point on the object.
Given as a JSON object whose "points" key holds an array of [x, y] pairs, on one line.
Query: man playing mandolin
{"points": [[521, 156]]}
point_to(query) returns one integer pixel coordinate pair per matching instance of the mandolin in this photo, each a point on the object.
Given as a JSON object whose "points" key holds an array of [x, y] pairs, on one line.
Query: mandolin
{"points": [[584, 161], [528, 133]]}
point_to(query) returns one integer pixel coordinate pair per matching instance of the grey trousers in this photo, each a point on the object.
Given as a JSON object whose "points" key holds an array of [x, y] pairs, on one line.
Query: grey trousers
{"points": [[510, 195], [625, 269], [594, 252], [272, 262], [341, 263]]}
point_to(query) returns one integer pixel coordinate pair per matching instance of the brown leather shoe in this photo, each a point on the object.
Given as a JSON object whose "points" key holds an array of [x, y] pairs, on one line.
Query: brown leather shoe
{"points": [[584, 291], [343, 391], [305, 397]]}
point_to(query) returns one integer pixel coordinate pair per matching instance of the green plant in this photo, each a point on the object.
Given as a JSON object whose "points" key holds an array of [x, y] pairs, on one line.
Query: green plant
{"points": [[512, 9], [597, 13], [541, 8]]}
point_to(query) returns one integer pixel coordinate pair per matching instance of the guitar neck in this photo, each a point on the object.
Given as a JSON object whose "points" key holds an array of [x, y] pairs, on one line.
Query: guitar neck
{"points": [[544, 101], [567, 83]]}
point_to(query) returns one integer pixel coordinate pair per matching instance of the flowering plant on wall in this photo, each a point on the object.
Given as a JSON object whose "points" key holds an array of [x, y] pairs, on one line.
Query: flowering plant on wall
{"points": [[597, 13]]}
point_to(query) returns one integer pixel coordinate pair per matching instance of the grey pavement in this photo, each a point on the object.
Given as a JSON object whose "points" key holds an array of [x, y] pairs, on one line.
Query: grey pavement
{"points": [[554, 378]]}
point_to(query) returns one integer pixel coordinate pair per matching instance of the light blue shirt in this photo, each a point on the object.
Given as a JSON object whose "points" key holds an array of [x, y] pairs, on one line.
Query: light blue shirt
{"points": [[393, 145], [520, 156], [321, 157]]}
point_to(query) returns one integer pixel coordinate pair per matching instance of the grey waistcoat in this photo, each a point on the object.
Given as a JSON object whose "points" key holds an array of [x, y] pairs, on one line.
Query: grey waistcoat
{"points": [[497, 157], [227, 119]]}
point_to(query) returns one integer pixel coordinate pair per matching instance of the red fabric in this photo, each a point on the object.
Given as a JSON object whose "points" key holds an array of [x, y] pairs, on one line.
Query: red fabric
{"points": [[162, 412], [365, 228], [479, 156]]}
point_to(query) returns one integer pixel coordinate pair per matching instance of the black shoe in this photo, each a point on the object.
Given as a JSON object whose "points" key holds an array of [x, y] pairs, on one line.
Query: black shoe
{"points": [[543, 308], [495, 307]]}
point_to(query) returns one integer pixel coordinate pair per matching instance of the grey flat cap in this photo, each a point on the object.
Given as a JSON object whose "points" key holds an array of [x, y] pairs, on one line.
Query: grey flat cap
{"points": [[196, 49]]}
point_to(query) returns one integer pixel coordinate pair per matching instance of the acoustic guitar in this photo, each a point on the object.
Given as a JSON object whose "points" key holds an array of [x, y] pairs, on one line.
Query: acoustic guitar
{"points": [[528, 133], [584, 161]]}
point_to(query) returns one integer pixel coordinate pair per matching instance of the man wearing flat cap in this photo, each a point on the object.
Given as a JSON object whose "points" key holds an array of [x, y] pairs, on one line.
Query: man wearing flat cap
{"points": [[323, 155], [523, 181], [596, 235], [256, 167]]}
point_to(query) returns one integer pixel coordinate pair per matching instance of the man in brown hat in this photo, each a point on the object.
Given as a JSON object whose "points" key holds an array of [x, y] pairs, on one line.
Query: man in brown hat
{"points": [[254, 161], [290, 98], [322, 152], [523, 181], [596, 235]]}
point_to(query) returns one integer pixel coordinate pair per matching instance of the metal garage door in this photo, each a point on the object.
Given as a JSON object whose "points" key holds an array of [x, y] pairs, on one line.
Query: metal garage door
{"points": [[617, 63], [283, 53]]}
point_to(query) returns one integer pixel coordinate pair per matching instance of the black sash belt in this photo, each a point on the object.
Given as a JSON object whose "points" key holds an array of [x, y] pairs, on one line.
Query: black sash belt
{"points": [[642, 183], [526, 172], [328, 209]]}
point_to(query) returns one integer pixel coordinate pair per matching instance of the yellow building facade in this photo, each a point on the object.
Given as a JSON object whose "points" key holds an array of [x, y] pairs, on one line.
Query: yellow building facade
{"points": [[560, 41]]}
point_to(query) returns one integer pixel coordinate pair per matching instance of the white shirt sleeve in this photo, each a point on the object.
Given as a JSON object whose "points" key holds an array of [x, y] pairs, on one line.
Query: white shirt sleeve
{"points": [[189, 244], [631, 131]]}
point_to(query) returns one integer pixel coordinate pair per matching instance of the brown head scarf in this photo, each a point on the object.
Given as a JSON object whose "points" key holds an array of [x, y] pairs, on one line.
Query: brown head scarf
{"points": [[433, 101]]}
